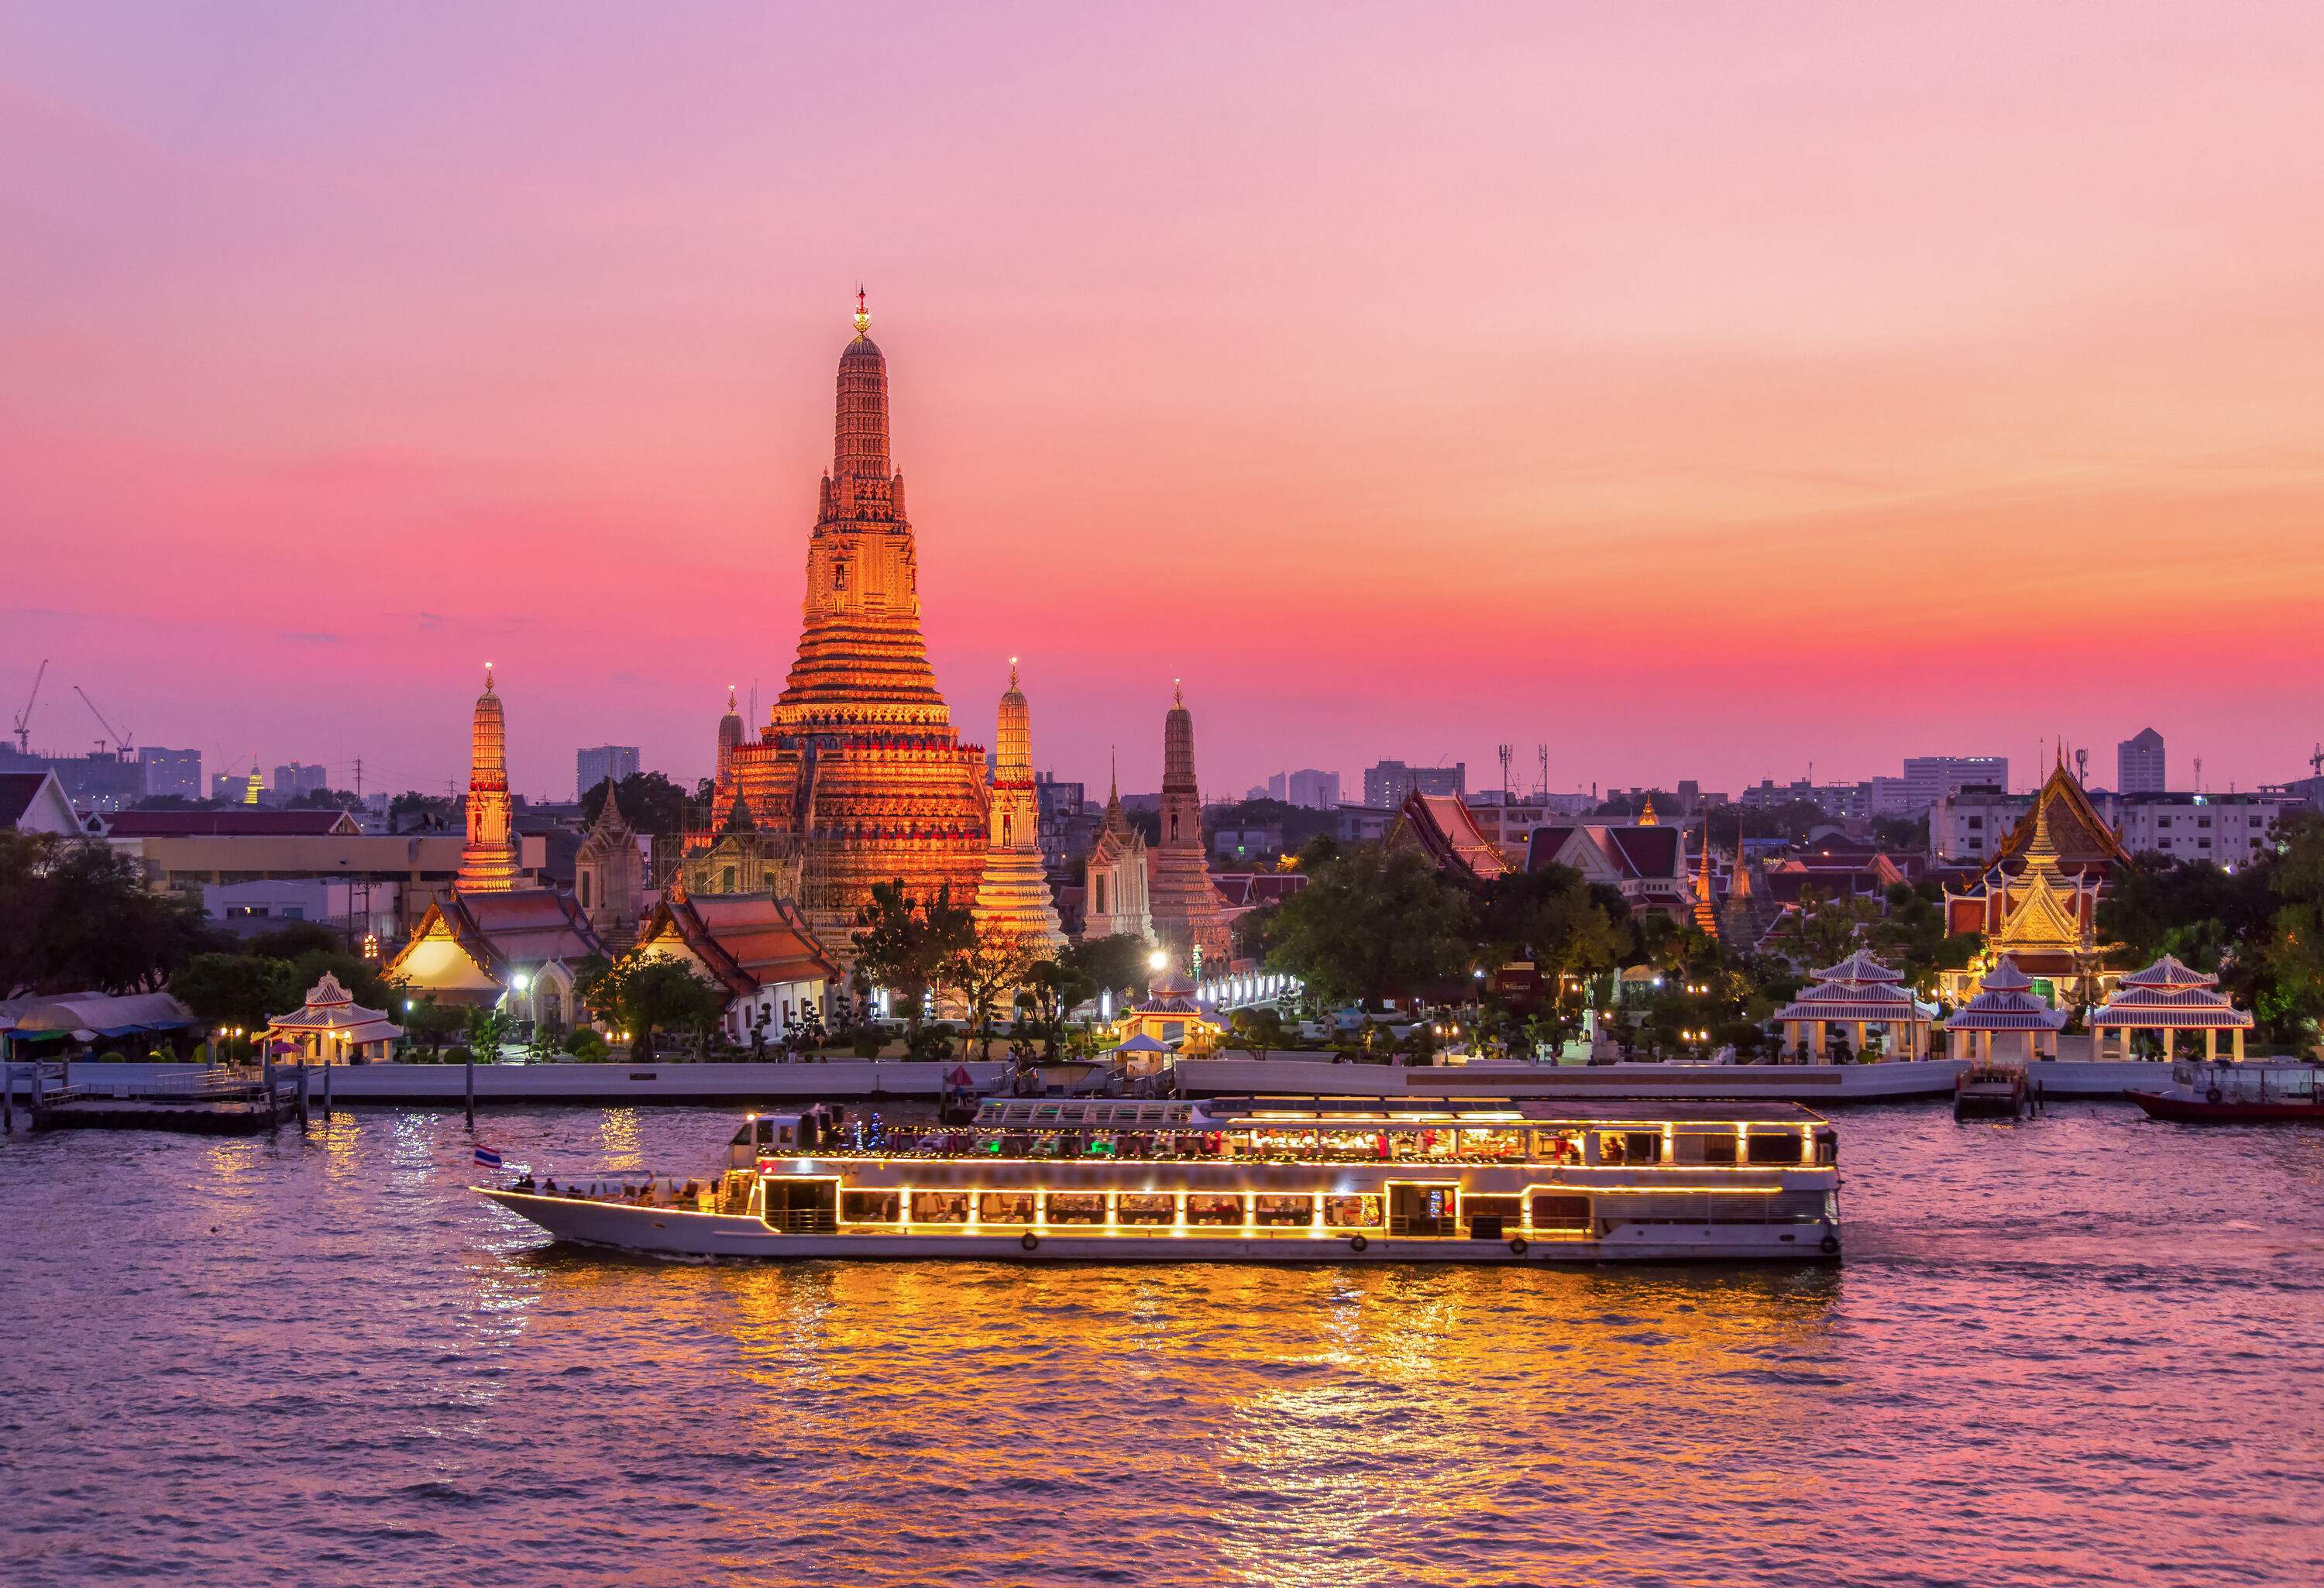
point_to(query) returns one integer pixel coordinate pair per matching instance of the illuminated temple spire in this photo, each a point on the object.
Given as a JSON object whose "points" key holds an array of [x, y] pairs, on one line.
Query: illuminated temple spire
{"points": [[862, 663], [488, 862], [1014, 899], [1188, 913]]}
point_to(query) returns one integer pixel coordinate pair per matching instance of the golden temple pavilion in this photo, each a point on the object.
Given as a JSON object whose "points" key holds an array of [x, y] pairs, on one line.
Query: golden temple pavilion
{"points": [[2036, 902]]}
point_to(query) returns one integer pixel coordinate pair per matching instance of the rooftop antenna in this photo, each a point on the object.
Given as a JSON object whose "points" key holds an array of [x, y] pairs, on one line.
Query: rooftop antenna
{"points": [[1543, 750], [2199, 774], [1508, 790], [2081, 765]]}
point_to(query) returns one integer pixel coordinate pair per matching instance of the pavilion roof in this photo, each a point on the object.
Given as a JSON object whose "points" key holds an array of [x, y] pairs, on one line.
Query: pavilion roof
{"points": [[2170, 972], [1861, 969], [2185, 1008], [2005, 1003]]}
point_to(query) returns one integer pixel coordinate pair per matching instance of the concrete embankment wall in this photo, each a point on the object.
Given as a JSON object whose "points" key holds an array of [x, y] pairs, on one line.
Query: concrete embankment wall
{"points": [[1302, 1076], [722, 1085]]}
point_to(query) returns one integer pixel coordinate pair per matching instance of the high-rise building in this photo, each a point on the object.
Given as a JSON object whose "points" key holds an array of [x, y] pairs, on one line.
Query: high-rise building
{"points": [[594, 765], [859, 768], [292, 779], [488, 865], [1389, 784], [1307, 789], [1931, 777], [2138, 764], [172, 772]]}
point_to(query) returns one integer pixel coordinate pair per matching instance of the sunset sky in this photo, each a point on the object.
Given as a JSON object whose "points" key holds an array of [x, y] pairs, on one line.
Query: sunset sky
{"points": [[1701, 388]]}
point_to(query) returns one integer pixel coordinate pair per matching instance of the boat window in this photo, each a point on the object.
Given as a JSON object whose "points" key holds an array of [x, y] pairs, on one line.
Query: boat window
{"points": [[1134, 1208], [1642, 1147], [1557, 1146], [1352, 1213], [870, 1207], [1213, 1210], [1005, 1207], [1489, 1216], [1552, 1211], [940, 1207], [1279, 1210], [1775, 1147], [1077, 1208], [1719, 1149]]}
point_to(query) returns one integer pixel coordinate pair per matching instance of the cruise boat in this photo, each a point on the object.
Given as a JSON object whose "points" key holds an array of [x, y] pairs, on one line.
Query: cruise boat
{"points": [[2237, 1092], [1252, 1181]]}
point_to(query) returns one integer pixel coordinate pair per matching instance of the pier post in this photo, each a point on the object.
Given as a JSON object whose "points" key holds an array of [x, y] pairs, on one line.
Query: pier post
{"points": [[8, 1097], [266, 1079], [471, 1088], [327, 1095], [303, 1069]]}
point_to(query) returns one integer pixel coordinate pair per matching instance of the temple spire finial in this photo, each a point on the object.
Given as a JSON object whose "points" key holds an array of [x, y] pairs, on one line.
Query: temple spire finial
{"points": [[862, 312], [488, 677], [1177, 692], [730, 696], [1013, 672]]}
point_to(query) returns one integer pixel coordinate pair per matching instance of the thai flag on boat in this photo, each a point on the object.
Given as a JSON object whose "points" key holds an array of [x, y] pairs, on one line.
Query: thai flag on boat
{"points": [[488, 1158]]}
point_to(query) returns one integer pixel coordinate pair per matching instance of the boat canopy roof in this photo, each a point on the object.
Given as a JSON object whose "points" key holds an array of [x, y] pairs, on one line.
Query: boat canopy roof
{"points": [[1052, 1113]]}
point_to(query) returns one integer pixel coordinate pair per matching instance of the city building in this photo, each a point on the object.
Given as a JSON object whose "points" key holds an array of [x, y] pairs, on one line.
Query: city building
{"points": [[1508, 824], [594, 765], [1114, 895], [858, 766], [2226, 829], [170, 771], [1014, 899], [36, 802], [99, 781], [1362, 824], [1307, 789], [1189, 918], [1931, 777], [1069, 824], [292, 779], [1248, 841], [776, 975], [1390, 783], [2139, 764], [360, 910], [489, 862]]}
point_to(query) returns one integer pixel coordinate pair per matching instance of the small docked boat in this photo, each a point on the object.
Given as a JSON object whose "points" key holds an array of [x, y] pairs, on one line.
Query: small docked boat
{"points": [[1989, 1091], [1253, 1181], [2237, 1092]]}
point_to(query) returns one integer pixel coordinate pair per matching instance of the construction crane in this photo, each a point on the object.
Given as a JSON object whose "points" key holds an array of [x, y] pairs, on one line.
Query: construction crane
{"points": [[24, 717], [120, 735]]}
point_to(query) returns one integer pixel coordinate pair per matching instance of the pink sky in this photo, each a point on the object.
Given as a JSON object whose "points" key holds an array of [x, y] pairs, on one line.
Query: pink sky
{"points": [[1700, 389]]}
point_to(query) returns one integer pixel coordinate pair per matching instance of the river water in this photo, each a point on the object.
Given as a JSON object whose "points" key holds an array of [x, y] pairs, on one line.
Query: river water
{"points": [[2084, 1349]]}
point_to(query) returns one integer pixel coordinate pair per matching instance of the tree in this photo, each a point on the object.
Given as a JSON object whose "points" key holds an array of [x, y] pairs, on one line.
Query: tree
{"points": [[1374, 922], [2291, 950], [644, 993], [76, 917], [230, 989], [412, 809], [1120, 964], [1551, 918], [485, 1029], [984, 971], [650, 800], [427, 1022], [1054, 987], [324, 799], [902, 945]]}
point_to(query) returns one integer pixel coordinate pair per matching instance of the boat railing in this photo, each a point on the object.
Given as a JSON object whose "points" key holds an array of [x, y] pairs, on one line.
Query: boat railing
{"points": [[803, 1220]]}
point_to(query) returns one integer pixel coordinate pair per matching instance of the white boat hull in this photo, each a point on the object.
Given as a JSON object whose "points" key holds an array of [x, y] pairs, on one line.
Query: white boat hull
{"points": [[665, 1232]]}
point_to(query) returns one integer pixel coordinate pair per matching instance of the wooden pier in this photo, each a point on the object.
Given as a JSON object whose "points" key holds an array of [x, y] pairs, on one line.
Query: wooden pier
{"points": [[205, 1102]]}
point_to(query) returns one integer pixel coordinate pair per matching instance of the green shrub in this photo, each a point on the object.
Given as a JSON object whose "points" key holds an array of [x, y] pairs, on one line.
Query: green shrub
{"points": [[586, 1045], [869, 1041], [112, 1056], [456, 1055]]}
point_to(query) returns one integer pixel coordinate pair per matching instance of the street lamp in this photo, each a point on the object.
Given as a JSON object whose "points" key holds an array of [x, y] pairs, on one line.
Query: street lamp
{"points": [[1158, 961]]}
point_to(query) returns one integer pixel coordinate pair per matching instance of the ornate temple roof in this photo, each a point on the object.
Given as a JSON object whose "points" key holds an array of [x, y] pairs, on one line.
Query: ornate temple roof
{"points": [[749, 941], [503, 932], [2078, 835], [1858, 988], [330, 1009], [2005, 1003], [2169, 995], [1446, 831]]}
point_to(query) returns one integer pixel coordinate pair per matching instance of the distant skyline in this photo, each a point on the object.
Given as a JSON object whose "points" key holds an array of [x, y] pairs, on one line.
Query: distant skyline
{"points": [[1701, 391]]}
